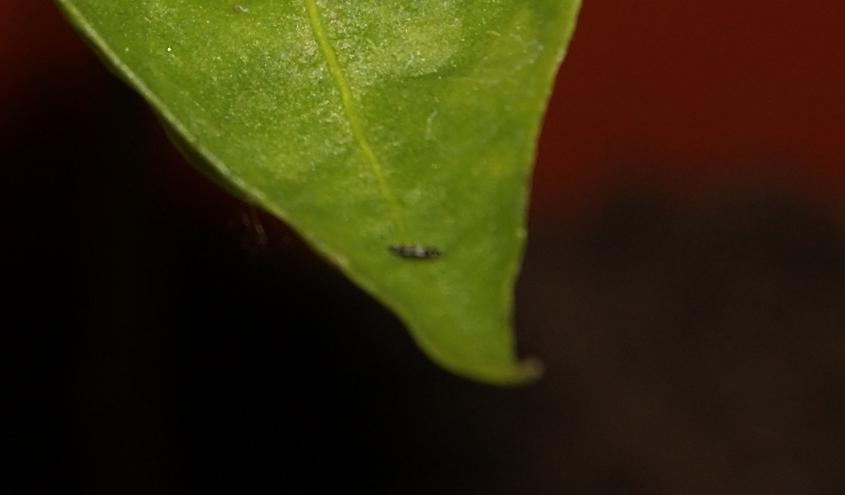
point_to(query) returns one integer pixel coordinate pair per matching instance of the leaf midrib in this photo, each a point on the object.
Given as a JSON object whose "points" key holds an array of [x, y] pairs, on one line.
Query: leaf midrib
{"points": [[352, 117]]}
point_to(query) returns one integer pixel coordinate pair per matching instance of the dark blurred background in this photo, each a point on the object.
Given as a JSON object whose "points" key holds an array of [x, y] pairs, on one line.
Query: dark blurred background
{"points": [[684, 285]]}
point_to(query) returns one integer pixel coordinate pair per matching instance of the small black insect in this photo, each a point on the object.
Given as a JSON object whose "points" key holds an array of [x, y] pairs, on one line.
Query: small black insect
{"points": [[415, 251]]}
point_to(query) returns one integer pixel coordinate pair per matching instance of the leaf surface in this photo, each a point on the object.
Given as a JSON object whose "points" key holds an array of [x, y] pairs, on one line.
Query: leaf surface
{"points": [[366, 125]]}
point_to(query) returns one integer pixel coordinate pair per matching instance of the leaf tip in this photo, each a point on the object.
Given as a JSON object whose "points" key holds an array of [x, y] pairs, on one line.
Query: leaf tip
{"points": [[516, 374], [525, 372]]}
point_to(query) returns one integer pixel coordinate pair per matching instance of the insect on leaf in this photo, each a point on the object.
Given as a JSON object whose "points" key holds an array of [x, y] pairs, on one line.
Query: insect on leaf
{"points": [[395, 136]]}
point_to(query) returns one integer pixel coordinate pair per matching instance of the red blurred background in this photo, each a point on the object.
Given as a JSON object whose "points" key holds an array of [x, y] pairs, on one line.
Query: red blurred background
{"points": [[700, 93], [684, 284]]}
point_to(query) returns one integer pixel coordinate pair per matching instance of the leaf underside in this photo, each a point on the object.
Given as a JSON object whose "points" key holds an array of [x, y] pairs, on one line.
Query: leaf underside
{"points": [[379, 129]]}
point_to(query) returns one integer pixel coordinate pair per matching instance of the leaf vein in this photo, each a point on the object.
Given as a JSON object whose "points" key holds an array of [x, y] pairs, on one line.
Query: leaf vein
{"points": [[351, 113]]}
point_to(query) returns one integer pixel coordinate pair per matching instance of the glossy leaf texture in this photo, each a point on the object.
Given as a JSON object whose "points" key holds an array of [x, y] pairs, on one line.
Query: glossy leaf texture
{"points": [[366, 125]]}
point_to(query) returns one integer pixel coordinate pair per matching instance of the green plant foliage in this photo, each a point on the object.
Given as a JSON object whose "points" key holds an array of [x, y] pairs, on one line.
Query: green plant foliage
{"points": [[366, 125]]}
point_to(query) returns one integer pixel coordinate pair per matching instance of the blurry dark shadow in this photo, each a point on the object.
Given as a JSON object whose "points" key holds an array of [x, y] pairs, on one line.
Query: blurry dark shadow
{"points": [[704, 337]]}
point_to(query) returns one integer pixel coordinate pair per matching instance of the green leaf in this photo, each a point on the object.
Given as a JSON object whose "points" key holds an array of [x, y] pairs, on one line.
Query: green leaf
{"points": [[366, 124]]}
